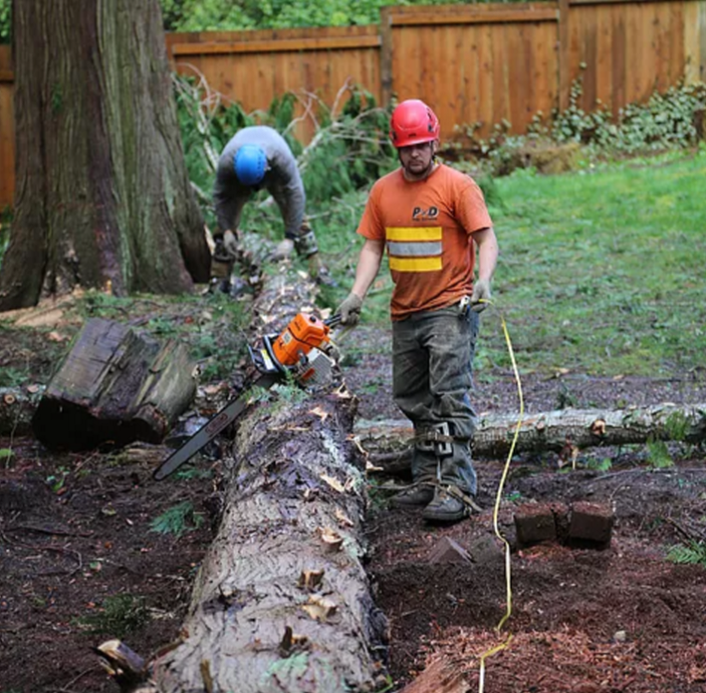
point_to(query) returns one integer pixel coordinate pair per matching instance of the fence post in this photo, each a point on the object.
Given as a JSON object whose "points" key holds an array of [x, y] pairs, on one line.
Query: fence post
{"points": [[386, 55], [702, 41], [564, 67]]}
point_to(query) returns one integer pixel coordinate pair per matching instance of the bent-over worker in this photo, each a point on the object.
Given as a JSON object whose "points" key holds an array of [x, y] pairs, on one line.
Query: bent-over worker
{"points": [[259, 157]]}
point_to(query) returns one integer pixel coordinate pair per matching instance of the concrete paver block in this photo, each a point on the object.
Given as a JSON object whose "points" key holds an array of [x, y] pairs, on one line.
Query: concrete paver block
{"points": [[487, 550]]}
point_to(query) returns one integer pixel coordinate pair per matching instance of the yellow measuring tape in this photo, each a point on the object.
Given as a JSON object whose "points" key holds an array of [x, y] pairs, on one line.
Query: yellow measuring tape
{"points": [[503, 478]]}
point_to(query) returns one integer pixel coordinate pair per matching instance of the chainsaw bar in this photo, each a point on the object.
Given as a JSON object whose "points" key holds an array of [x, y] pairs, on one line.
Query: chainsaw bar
{"points": [[229, 413]]}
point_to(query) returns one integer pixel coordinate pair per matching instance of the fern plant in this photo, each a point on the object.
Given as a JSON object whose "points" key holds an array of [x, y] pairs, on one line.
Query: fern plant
{"points": [[178, 520], [692, 553]]}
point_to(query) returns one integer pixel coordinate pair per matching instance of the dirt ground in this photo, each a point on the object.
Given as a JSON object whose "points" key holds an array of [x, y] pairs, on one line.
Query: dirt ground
{"points": [[76, 530]]}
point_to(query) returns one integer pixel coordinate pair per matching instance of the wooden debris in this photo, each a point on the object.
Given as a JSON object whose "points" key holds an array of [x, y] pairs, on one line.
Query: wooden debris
{"points": [[441, 676], [17, 407]]}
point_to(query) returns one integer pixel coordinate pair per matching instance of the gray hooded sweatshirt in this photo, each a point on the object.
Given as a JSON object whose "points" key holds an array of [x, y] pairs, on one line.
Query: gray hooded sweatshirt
{"points": [[282, 180]]}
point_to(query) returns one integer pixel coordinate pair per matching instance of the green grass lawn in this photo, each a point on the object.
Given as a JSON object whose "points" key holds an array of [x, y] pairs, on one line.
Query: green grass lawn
{"points": [[601, 271]]}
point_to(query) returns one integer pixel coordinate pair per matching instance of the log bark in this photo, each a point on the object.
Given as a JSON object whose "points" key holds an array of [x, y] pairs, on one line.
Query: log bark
{"points": [[115, 386], [387, 444], [282, 601]]}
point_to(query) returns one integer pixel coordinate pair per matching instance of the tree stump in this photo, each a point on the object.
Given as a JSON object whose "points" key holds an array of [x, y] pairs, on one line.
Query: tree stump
{"points": [[114, 387]]}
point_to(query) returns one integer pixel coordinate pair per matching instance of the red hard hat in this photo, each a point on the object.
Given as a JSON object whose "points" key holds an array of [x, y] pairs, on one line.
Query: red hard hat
{"points": [[413, 122]]}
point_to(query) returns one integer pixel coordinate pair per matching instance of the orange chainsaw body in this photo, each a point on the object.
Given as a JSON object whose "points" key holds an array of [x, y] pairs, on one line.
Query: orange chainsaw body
{"points": [[304, 333]]}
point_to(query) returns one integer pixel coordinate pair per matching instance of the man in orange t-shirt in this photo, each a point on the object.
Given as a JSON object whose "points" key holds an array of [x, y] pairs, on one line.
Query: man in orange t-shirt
{"points": [[431, 219]]}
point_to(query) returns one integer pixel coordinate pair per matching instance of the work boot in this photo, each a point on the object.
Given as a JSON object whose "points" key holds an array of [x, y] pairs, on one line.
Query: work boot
{"points": [[324, 278], [444, 507], [414, 497]]}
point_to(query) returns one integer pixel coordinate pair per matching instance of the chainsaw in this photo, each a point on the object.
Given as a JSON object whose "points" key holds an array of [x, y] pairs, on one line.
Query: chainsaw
{"points": [[302, 352]]}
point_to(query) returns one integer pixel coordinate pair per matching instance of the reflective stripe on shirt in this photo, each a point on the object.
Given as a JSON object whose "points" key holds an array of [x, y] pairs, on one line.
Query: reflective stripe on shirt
{"points": [[414, 248]]}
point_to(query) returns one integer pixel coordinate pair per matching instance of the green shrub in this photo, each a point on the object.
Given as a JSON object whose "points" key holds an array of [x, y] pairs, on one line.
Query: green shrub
{"points": [[668, 120], [5, 20], [225, 15]]}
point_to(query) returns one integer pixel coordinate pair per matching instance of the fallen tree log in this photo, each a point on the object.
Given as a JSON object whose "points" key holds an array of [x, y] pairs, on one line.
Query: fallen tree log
{"points": [[281, 601], [115, 386], [387, 444]]}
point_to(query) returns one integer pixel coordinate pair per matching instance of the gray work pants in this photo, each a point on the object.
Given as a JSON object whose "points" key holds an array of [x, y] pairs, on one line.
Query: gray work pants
{"points": [[432, 354]]}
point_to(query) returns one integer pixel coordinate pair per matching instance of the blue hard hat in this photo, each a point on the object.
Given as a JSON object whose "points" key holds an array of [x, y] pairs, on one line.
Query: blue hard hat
{"points": [[250, 164]]}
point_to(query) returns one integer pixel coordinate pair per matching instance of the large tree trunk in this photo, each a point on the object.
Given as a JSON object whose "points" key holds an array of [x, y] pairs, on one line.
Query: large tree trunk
{"points": [[282, 601], [102, 194]]}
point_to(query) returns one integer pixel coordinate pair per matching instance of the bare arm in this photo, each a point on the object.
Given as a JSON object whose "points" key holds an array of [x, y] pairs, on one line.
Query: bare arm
{"points": [[368, 266], [487, 245]]}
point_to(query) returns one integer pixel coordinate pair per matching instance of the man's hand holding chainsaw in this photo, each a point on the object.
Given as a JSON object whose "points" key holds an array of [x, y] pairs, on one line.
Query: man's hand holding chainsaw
{"points": [[368, 265]]}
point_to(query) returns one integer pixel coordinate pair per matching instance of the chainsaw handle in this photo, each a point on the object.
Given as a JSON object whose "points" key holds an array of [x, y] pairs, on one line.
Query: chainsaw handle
{"points": [[333, 321]]}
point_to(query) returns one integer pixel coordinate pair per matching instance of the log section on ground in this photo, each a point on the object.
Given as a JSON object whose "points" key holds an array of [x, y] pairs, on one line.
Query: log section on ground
{"points": [[115, 386], [387, 444], [17, 407], [282, 601]]}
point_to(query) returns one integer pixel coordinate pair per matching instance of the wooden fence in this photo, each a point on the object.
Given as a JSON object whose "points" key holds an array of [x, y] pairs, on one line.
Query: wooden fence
{"points": [[483, 63]]}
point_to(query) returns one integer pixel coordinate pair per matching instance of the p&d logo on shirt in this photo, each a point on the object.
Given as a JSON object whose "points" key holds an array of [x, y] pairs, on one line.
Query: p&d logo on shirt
{"points": [[419, 214]]}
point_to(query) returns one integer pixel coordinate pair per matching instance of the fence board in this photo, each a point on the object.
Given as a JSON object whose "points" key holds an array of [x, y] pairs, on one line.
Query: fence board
{"points": [[692, 40], [461, 16], [507, 51], [274, 46]]}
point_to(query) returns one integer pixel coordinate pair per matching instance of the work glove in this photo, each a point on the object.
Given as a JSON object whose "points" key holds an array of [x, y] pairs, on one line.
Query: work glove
{"points": [[349, 310], [226, 245], [333, 352], [283, 250], [230, 243], [480, 296]]}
